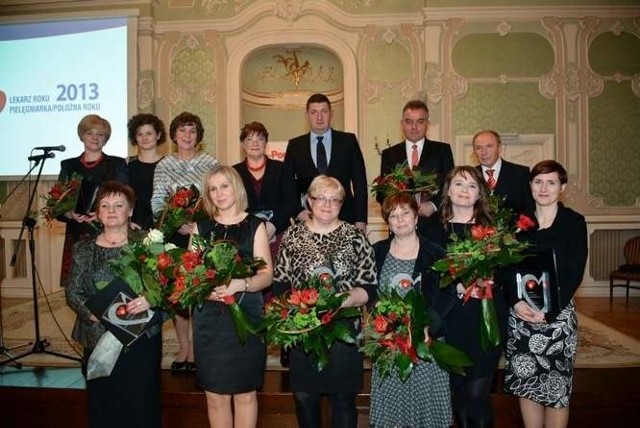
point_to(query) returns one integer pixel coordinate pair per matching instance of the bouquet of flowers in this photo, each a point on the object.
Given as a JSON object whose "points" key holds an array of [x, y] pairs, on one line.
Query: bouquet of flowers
{"points": [[404, 179], [148, 265], [62, 197], [395, 333], [310, 315], [208, 265], [472, 261], [181, 207]]}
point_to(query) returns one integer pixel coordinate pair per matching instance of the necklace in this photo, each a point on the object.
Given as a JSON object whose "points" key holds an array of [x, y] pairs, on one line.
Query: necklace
{"points": [[90, 164], [113, 243], [259, 167]]}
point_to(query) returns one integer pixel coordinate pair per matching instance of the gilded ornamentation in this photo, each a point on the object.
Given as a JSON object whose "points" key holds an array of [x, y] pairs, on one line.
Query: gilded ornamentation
{"points": [[437, 83], [292, 65], [289, 10], [548, 85], [635, 84], [503, 28], [145, 92], [617, 28], [389, 36]]}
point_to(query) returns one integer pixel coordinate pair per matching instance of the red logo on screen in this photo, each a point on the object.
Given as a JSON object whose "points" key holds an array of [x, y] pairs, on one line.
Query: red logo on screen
{"points": [[3, 100]]}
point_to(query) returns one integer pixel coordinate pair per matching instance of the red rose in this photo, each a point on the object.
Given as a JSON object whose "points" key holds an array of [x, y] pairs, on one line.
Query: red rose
{"points": [[190, 260], [229, 300], [326, 318], [295, 298], [524, 223], [164, 261], [309, 296], [195, 281], [181, 198], [393, 317], [180, 283], [210, 274], [489, 231], [380, 324], [477, 232], [55, 192]]}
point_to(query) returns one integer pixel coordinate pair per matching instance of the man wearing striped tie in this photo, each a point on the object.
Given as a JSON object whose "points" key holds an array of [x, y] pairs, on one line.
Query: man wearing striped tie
{"points": [[504, 178]]}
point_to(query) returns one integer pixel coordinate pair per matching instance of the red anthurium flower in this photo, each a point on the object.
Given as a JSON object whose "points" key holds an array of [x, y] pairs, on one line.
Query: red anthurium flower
{"points": [[524, 223]]}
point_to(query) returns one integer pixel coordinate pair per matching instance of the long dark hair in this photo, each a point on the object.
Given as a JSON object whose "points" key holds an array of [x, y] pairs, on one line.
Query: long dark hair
{"points": [[481, 211]]}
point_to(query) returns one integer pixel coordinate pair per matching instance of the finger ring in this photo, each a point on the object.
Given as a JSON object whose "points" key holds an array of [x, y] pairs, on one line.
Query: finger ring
{"points": [[139, 303]]}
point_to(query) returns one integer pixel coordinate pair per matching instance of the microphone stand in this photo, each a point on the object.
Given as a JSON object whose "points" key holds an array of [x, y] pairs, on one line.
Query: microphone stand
{"points": [[39, 344]]}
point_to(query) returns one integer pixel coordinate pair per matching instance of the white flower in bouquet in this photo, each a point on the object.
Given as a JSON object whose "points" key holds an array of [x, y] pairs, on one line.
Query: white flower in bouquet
{"points": [[154, 236]]}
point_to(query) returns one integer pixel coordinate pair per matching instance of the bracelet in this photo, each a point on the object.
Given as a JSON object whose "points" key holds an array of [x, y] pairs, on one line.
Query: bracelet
{"points": [[246, 285]]}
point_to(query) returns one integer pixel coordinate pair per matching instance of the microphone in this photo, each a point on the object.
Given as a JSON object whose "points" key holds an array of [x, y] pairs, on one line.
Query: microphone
{"points": [[59, 148], [38, 158]]}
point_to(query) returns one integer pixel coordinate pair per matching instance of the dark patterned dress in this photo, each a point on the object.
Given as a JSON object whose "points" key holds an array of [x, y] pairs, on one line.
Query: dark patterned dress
{"points": [[107, 168], [424, 400], [133, 388], [347, 250], [223, 364], [540, 357]]}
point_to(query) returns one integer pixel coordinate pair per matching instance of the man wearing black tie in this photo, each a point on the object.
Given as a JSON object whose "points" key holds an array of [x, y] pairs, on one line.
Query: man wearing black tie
{"points": [[326, 151], [503, 178], [418, 151]]}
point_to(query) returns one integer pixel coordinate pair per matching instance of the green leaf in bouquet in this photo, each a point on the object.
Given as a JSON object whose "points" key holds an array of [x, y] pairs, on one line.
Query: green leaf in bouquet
{"points": [[405, 367], [449, 357]]}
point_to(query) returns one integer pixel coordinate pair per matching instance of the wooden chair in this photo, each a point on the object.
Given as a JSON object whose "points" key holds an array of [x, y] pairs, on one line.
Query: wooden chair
{"points": [[630, 271]]}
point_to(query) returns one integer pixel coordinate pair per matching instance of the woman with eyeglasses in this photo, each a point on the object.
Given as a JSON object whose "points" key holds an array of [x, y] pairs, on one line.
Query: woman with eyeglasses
{"points": [[324, 241]]}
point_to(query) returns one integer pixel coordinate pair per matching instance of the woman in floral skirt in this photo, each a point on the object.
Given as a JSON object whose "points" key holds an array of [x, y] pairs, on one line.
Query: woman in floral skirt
{"points": [[541, 347]]}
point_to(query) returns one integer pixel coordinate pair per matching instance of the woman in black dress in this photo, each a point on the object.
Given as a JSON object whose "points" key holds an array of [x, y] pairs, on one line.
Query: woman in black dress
{"points": [[130, 395], [464, 204], [230, 372], [326, 241], [95, 167], [146, 132], [261, 176], [541, 347]]}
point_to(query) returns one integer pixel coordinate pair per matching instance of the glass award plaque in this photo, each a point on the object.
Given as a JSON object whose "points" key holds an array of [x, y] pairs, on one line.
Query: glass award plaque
{"points": [[536, 281]]}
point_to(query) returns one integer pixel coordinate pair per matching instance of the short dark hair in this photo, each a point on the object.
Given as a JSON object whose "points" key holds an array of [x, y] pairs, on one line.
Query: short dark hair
{"points": [[114, 187], [253, 128], [487, 131], [146, 119], [318, 98], [548, 166], [415, 105], [186, 118], [396, 200]]}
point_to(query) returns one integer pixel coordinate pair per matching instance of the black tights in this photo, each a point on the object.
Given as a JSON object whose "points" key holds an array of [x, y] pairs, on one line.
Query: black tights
{"points": [[472, 404], [343, 410]]}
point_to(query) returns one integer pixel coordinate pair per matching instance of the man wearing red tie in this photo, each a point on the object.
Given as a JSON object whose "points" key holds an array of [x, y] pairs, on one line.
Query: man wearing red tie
{"points": [[503, 178], [419, 152]]}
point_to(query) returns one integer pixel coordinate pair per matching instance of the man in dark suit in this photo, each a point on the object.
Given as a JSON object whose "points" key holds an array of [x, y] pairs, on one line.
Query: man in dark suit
{"points": [[507, 179], [326, 151], [419, 152]]}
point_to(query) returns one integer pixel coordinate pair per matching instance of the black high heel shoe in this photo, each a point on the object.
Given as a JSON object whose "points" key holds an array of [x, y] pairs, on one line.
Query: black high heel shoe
{"points": [[179, 366]]}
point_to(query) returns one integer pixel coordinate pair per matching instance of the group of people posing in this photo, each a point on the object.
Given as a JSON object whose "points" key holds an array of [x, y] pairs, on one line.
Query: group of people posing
{"points": [[308, 212]]}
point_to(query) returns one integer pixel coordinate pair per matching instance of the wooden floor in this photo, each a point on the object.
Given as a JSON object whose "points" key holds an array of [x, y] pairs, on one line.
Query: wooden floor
{"points": [[52, 397]]}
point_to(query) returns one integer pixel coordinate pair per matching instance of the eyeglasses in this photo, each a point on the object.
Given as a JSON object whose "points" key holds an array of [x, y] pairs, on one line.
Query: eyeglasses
{"points": [[324, 200]]}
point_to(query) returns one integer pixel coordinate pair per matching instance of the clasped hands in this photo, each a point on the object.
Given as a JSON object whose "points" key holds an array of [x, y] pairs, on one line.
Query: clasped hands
{"points": [[221, 291], [527, 313]]}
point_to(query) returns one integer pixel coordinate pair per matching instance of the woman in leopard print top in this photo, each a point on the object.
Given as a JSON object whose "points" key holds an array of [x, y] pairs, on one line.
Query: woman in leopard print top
{"points": [[326, 241]]}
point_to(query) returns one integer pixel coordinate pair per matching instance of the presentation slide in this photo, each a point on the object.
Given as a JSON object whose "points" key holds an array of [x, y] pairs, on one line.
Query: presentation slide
{"points": [[52, 75]]}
